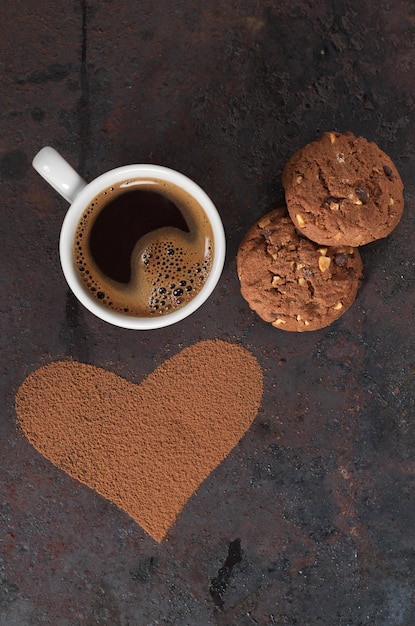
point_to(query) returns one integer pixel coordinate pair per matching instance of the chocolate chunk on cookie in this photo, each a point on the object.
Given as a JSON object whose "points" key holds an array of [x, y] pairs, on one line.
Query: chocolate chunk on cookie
{"points": [[343, 190], [292, 282]]}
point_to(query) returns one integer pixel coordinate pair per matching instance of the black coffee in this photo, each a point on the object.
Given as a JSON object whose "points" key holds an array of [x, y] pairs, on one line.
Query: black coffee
{"points": [[122, 222], [143, 248]]}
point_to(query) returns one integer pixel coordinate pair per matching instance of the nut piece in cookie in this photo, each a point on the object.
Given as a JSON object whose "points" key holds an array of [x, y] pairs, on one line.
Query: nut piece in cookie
{"points": [[292, 282], [343, 190]]}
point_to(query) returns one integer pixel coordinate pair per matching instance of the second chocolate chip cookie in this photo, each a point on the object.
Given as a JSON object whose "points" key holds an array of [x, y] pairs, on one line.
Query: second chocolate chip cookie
{"points": [[292, 282]]}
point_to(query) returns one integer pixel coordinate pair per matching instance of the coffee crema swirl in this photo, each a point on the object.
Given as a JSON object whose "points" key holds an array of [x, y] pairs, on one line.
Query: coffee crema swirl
{"points": [[143, 248]]}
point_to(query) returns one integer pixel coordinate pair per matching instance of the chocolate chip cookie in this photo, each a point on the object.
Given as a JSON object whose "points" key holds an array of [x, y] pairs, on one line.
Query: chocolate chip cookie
{"points": [[343, 190], [292, 282]]}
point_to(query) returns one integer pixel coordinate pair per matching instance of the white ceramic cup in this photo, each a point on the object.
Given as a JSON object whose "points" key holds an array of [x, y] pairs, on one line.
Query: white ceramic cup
{"points": [[67, 182]]}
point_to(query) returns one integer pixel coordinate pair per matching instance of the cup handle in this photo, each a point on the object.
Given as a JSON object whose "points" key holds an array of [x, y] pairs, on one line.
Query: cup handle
{"points": [[58, 173]]}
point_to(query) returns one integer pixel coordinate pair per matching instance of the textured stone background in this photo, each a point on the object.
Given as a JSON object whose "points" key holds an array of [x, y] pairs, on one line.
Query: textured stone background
{"points": [[310, 520]]}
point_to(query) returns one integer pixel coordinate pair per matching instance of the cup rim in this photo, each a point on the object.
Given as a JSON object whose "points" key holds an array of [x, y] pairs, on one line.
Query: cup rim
{"points": [[88, 193]]}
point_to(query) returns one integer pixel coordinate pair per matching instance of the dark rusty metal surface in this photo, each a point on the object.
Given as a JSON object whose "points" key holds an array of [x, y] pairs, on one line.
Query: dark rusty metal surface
{"points": [[310, 520]]}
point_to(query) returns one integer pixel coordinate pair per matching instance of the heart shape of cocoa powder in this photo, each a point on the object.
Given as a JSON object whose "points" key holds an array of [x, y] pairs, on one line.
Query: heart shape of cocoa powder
{"points": [[145, 447]]}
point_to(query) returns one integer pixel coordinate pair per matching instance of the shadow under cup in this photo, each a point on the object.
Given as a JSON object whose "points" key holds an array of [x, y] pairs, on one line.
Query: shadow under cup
{"points": [[142, 247]]}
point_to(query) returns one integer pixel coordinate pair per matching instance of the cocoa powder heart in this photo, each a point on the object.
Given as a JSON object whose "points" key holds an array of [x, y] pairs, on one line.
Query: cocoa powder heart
{"points": [[144, 447]]}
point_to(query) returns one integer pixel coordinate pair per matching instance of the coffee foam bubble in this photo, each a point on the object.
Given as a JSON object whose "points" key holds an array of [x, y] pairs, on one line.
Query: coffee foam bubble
{"points": [[169, 267]]}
